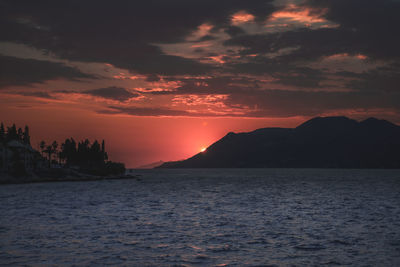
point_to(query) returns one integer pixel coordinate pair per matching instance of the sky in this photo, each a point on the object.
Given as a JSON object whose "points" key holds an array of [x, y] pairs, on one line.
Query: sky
{"points": [[161, 80]]}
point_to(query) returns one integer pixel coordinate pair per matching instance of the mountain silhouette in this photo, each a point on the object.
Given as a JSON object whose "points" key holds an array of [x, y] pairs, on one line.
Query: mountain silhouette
{"points": [[322, 142]]}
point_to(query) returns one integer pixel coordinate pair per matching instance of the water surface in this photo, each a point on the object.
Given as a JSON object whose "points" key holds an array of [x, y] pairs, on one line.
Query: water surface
{"points": [[211, 217]]}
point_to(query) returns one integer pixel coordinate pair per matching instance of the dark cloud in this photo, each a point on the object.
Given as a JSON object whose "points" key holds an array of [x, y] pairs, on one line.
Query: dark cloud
{"points": [[141, 111], [127, 34], [385, 78], [278, 103], [308, 44], [198, 50], [25, 72], [374, 24], [297, 103], [40, 94], [248, 94], [234, 31], [122, 33], [152, 78], [284, 73], [157, 112], [300, 76], [365, 27], [212, 85], [207, 37], [114, 93]]}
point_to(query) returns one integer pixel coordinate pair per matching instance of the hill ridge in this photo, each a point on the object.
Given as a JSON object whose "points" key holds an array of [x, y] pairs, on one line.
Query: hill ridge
{"points": [[321, 142]]}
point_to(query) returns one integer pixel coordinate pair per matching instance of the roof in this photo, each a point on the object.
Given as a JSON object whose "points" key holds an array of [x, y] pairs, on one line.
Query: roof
{"points": [[16, 144]]}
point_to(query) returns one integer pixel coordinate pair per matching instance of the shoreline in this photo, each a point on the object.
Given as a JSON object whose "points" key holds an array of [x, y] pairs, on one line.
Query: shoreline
{"points": [[5, 180]]}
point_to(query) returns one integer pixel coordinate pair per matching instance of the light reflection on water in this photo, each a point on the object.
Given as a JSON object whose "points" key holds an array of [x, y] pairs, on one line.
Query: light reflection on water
{"points": [[206, 217]]}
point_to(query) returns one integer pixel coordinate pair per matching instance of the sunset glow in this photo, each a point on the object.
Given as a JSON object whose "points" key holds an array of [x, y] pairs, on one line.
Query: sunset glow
{"points": [[299, 14], [241, 17], [201, 132], [346, 55], [163, 87]]}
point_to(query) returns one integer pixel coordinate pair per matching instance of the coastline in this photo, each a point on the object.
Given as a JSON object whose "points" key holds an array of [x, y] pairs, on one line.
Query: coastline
{"points": [[78, 177]]}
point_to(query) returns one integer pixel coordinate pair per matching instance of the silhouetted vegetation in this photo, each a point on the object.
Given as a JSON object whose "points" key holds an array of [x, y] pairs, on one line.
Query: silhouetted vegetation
{"points": [[86, 156], [83, 153], [13, 133], [17, 167], [18, 158], [2, 133]]}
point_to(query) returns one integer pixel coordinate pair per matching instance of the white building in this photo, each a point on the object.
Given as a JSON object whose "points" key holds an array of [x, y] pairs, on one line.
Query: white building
{"points": [[16, 151]]}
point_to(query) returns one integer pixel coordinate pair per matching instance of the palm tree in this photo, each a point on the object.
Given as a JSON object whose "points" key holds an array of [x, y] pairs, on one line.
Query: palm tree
{"points": [[26, 136], [42, 146], [54, 147], [49, 151]]}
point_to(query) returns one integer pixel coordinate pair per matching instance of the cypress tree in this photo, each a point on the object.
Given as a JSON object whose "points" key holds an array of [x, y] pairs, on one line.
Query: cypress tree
{"points": [[42, 146], [103, 151], [54, 147], [27, 138], [12, 133], [20, 135], [2, 133]]}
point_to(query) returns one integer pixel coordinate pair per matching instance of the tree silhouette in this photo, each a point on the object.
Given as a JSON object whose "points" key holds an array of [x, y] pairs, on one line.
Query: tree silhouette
{"points": [[49, 151], [20, 134], [2, 133], [27, 138], [86, 156], [12, 133], [103, 150], [54, 147], [69, 151], [42, 146]]}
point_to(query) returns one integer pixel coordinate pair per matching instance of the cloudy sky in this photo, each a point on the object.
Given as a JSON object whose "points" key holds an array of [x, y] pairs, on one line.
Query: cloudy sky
{"points": [[161, 79]]}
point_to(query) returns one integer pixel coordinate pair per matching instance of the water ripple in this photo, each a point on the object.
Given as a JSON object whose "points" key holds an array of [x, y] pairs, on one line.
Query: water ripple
{"points": [[276, 217]]}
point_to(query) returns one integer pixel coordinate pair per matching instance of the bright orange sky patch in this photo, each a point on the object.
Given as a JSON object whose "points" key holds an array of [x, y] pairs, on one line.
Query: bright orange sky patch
{"points": [[295, 13], [242, 17]]}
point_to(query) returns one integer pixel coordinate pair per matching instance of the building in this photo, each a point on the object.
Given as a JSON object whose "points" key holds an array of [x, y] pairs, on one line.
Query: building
{"points": [[17, 152]]}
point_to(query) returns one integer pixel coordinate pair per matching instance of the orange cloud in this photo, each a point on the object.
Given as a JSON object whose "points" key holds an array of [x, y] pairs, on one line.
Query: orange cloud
{"points": [[300, 14], [196, 100], [241, 17], [218, 59], [201, 45], [346, 56], [201, 31], [124, 76], [204, 28], [155, 89], [361, 56]]}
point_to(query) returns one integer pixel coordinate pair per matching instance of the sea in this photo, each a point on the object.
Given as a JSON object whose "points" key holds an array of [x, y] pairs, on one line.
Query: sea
{"points": [[206, 217]]}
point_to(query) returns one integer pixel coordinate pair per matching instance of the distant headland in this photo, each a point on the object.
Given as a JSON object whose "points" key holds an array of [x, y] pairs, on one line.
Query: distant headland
{"points": [[322, 142], [20, 162]]}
